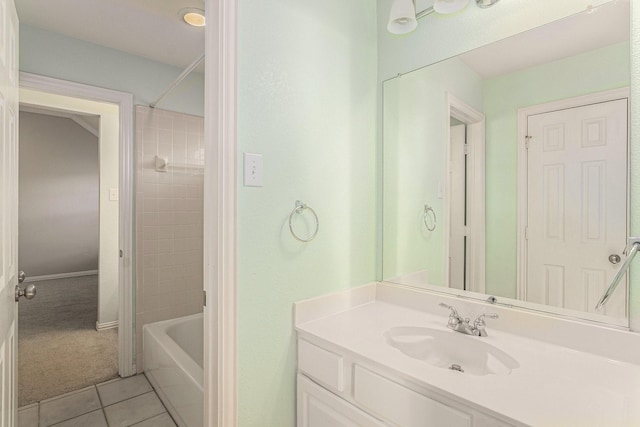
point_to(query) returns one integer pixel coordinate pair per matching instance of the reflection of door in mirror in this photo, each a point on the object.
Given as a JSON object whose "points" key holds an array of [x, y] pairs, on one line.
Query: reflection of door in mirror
{"points": [[577, 204], [458, 204], [464, 197]]}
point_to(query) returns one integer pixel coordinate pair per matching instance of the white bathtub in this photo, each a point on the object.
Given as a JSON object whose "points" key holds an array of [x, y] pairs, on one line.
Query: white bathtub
{"points": [[173, 357]]}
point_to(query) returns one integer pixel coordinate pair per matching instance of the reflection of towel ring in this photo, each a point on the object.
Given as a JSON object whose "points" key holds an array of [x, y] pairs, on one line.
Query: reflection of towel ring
{"points": [[429, 213], [301, 206]]}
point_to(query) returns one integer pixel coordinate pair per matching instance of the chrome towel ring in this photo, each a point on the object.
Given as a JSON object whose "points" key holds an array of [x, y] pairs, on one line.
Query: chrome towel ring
{"points": [[300, 207], [429, 218]]}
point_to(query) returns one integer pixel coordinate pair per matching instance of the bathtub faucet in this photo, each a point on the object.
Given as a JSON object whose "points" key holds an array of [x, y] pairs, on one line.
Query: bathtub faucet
{"points": [[462, 325]]}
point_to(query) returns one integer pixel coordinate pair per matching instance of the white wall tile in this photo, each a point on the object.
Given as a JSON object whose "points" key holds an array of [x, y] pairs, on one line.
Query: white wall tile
{"points": [[169, 217]]}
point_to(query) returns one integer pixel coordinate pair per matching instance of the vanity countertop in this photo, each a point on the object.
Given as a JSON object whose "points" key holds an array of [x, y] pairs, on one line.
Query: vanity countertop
{"points": [[553, 386]]}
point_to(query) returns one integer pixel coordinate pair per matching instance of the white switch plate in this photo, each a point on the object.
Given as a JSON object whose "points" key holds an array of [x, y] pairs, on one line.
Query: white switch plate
{"points": [[113, 194], [252, 170]]}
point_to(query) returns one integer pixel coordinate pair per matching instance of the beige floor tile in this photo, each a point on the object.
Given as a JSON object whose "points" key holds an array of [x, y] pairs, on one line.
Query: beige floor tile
{"points": [[123, 389], [67, 406], [92, 419], [134, 410], [28, 416], [162, 420]]}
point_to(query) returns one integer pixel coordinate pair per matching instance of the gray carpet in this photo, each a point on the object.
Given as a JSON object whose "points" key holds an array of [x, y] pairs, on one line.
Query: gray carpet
{"points": [[59, 349]]}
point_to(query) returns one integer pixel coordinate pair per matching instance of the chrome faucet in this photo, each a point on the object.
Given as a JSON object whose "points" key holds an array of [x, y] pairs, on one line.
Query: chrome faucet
{"points": [[456, 322], [462, 325]]}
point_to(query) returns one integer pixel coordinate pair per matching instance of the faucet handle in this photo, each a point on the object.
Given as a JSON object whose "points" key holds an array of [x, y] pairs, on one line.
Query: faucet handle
{"points": [[479, 324], [454, 312], [480, 319]]}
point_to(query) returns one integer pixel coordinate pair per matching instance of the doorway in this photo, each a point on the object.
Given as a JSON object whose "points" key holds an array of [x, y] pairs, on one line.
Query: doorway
{"points": [[464, 197], [458, 149], [58, 242], [109, 309]]}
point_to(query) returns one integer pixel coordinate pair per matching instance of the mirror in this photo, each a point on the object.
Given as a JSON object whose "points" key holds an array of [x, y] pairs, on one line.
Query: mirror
{"points": [[505, 168]]}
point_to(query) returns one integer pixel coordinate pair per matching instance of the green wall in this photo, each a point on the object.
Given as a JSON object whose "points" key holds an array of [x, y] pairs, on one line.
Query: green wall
{"points": [[307, 103], [415, 131], [595, 71], [54, 55]]}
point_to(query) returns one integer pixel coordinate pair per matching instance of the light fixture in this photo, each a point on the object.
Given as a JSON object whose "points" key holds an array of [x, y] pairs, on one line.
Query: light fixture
{"points": [[486, 3], [193, 16], [403, 17], [449, 6]]}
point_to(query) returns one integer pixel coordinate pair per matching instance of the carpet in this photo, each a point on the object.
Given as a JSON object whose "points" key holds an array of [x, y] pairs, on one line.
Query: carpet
{"points": [[59, 349]]}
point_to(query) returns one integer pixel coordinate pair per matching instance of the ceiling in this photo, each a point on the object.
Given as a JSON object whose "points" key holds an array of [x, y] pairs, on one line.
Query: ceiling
{"points": [[154, 29], [151, 29], [89, 122], [580, 33]]}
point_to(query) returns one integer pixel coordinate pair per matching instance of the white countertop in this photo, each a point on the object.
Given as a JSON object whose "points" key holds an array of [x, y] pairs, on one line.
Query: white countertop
{"points": [[553, 386]]}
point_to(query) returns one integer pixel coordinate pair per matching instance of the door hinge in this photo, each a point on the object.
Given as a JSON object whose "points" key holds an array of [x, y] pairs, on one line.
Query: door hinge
{"points": [[526, 141], [526, 233], [466, 149], [204, 298], [121, 253]]}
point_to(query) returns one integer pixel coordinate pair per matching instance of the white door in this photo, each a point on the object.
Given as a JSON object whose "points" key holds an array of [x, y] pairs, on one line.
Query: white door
{"points": [[8, 209], [457, 205], [577, 205]]}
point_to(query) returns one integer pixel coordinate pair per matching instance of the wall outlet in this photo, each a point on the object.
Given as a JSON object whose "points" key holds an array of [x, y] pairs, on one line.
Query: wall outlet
{"points": [[252, 170]]}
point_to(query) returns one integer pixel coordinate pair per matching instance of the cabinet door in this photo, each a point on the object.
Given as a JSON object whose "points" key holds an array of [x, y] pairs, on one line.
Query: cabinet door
{"points": [[318, 407]]}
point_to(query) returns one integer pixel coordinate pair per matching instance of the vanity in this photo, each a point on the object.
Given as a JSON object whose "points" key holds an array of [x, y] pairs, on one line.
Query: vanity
{"points": [[364, 360]]}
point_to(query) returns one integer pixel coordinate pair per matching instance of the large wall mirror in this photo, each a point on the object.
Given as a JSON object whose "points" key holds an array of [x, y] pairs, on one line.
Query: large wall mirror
{"points": [[506, 168]]}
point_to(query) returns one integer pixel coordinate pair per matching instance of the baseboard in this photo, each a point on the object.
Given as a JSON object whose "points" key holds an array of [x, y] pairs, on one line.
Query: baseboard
{"points": [[106, 325], [61, 275]]}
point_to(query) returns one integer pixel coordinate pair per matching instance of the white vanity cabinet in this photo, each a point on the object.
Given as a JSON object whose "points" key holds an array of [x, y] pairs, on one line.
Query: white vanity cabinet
{"points": [[336, 389], [318, 407], [363, 360]]}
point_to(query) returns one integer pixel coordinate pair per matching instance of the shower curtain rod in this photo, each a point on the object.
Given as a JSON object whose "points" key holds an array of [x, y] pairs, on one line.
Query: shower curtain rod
{"points": [[178, 80]]}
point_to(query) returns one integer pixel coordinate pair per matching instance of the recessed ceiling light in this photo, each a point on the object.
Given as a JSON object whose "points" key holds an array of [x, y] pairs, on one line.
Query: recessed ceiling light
{"points": [[193, 16]]}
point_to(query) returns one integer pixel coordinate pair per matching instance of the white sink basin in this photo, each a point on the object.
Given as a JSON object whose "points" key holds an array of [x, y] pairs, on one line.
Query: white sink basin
{"points": [[451, 350]]}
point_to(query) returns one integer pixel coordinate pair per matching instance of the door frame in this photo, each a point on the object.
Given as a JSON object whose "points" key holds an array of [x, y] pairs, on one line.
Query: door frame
{"points": [[476, 231], [522, 167], [126, 361], [220, 215]]}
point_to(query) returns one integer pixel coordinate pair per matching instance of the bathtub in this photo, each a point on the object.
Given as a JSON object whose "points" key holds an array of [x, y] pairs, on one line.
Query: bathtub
{"points": [[173, 359]]}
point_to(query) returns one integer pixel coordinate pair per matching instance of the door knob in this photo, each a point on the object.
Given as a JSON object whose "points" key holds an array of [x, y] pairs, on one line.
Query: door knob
{"points": [[29, 292], [614, 258], [21, 276]]}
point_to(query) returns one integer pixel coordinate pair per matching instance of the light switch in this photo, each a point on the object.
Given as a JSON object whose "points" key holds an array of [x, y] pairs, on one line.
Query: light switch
{"points": [[440, 190], [252, 170], [113, 194]]}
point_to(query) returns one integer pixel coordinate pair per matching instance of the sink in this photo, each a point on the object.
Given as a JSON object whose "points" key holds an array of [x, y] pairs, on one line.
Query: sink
{"points": [[451, 350]]}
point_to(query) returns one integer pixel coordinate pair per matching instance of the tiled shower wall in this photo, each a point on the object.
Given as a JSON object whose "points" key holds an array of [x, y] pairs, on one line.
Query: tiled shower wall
{"points": [[169, 215]]}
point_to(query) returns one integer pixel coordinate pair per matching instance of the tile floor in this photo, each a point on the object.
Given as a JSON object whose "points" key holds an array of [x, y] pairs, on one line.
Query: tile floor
{"points": [[122, 402]]}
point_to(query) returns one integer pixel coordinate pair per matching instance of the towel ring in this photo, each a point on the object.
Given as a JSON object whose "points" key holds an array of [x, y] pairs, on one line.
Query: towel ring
{"points": [[429, 213], [301, 206]]}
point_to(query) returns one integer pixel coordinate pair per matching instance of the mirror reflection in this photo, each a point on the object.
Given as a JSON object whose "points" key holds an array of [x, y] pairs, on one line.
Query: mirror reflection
{"points": [[505, 168]]}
